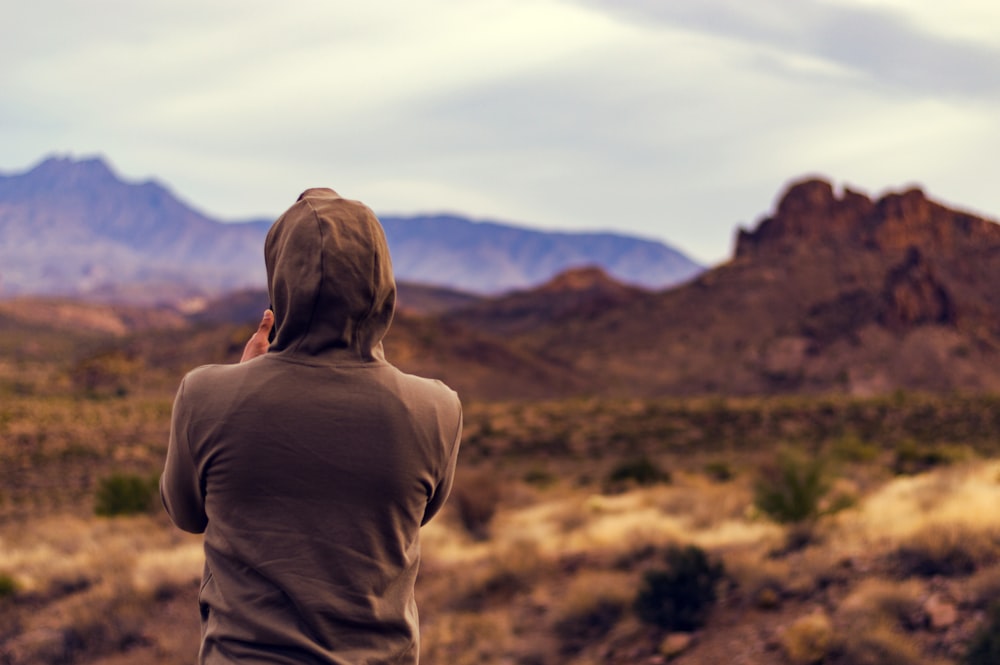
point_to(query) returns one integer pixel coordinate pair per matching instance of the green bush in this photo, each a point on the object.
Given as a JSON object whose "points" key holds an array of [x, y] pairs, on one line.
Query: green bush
{"points": [[912, 457], [8, 586], [984, 648], [852, 448], [125, 494], [680, 596], [791, 490]]}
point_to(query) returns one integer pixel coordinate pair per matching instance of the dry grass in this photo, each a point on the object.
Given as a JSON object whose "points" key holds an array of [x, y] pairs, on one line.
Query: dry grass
{"points": [[950, 508], [66, 551], [99, 582], [883, 602], [551, 570], [872, 620]]}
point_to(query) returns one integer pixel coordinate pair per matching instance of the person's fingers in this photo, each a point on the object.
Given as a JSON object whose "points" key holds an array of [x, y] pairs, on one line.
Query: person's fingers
{"points": [[266, 323]]}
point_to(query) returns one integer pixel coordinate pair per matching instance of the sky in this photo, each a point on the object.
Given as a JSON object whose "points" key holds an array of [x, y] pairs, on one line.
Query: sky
{"points": [[679, 120]]}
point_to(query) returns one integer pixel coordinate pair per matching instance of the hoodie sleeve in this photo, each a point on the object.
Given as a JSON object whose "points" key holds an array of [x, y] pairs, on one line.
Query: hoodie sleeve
{"points": [[180, 485], [443, 489]]}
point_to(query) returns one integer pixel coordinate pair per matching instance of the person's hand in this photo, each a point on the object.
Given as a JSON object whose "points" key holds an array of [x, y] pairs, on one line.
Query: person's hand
{"points": [[257, 344]]}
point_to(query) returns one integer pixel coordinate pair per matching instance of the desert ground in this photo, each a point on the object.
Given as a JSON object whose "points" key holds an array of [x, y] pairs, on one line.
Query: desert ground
{"points": [[698, 530]]}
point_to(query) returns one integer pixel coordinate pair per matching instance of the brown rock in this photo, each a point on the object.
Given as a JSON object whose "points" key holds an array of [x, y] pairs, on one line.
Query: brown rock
{"points": [[914, 295], [942, 613], [675, 644]]}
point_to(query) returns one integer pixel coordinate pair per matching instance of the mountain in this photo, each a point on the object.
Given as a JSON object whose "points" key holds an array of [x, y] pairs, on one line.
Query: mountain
{"points": [[831, 293], [573, 297], [74, 227], [487, 257]]}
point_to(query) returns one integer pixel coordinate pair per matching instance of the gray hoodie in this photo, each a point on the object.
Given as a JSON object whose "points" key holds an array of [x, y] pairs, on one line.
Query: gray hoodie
{"points": [[310, 469]]}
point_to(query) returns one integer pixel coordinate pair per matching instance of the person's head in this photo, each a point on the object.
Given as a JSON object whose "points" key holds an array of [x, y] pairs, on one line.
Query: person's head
{"points": [[329, 277]]}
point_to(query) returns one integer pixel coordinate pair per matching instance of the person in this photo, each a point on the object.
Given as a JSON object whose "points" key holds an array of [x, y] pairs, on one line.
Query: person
{"points": [[311, 465]]}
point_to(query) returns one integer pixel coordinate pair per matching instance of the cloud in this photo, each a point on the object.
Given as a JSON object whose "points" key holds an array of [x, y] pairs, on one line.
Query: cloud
{"points": [[882, 44], [675, 120]]}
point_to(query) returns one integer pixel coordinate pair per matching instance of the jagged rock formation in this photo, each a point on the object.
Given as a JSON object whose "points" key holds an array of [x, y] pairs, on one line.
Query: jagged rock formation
{"points": [[830, 293], [902, 261], [915, 295], [810, 213]]}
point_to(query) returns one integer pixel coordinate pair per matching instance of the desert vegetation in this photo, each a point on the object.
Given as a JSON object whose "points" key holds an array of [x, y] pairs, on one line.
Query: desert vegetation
{"points": [[794, 530]]}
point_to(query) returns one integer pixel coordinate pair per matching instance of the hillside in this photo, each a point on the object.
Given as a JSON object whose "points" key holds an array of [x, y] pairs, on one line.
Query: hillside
{"points": [[487, 257], [831, 293], [75, 228], [841, 294]]}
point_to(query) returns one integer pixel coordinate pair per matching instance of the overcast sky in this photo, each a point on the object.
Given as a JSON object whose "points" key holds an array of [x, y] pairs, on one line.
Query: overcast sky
{"points": [[672, 119]]}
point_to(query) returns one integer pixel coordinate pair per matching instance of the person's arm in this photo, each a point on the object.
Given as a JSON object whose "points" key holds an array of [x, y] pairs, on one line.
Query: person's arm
{"points": [[180, 485], [443, 489]]}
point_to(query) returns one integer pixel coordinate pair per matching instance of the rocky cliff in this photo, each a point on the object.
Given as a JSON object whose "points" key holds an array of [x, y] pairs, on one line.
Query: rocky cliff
{"points": [[829, 293]]}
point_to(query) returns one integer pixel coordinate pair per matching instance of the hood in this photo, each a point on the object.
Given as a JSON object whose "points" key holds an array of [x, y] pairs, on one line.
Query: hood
{"points": [[330, 278]]}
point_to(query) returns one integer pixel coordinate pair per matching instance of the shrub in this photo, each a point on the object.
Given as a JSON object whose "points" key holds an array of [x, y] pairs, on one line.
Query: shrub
{"points": [[512, 570], [879, 602], [589, 608], [125, 494], [641, 471], [8, 586], [808, 640], [792, 489], [946, 552], [912, 457], [878, 645], [983, 587], [984, 648], [105, 374], [476, 498], [719, 471], [680, 596], [540, 478], [590, 625], [852, 448]]}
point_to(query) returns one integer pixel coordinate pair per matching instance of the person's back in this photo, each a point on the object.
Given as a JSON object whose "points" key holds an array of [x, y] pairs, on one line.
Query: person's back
{"points": [[312, 467]]}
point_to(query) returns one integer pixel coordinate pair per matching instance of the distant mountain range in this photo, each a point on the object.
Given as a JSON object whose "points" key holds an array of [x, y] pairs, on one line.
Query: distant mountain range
{"points": [[833, 293], [73, 227]]}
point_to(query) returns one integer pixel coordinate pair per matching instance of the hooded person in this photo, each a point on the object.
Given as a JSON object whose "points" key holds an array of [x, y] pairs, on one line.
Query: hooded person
{"points": [[311, 467]]}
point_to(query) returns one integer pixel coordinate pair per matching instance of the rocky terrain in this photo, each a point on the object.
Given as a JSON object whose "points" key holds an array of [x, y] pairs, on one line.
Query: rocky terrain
{"points": [[829, 294]]}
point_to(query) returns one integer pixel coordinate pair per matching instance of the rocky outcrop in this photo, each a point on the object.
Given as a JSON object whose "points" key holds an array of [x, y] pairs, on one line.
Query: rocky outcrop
{"points": [[811, 215], [591, 279], [914, 294]]}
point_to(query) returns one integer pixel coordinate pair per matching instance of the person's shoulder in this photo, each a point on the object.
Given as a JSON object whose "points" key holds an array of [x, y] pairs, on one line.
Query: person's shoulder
{"points": [[430, 388], [202, 371], [205, 376]]}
